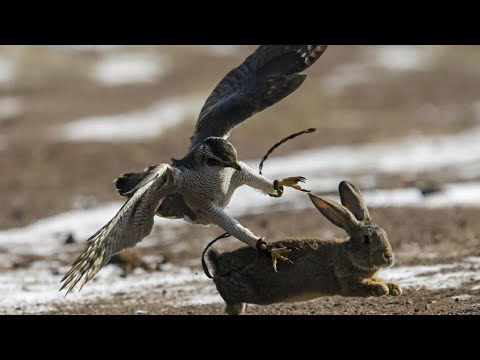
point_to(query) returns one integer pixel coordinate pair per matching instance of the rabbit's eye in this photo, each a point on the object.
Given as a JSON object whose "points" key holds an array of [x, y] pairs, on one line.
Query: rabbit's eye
{"points": [[366, 239]]}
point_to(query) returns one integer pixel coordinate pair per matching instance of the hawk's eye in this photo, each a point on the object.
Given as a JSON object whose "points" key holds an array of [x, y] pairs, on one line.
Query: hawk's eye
{"points": [[213, 162]]}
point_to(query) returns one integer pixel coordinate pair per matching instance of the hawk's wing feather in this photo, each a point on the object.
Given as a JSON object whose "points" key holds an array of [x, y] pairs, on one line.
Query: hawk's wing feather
{"points": [[128, 227], [267, 76]]}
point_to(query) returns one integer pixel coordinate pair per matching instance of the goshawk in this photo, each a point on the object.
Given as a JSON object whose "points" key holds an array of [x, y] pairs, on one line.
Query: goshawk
{"points": [[199, 186]]}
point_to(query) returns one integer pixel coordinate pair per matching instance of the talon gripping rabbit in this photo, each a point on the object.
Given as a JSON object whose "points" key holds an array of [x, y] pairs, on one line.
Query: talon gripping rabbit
{"points": [[344, 266]]}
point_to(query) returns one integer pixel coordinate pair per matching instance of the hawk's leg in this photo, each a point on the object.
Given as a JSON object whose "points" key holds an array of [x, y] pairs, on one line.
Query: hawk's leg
{"points": [[248, 176], [291, 181]]}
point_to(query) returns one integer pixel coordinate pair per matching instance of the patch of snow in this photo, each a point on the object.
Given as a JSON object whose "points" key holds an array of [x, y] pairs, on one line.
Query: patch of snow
{"points": [[407, 156], [36, 290], [439, 276], [462, 194], [10, 107], [462, 297], [133, 126], [7, 71], [128, 68], [392, 58], [220, 50], [42, 237], [89, 48], [346, 75], [402, 57], [45, 237], [246, 201]]}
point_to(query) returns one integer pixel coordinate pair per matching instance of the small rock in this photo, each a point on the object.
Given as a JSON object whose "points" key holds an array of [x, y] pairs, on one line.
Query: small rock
{"points": [[409, 302], [457, 299], [164, 292], [427, 307], [69, 239], [141, 312], [416, 310]]}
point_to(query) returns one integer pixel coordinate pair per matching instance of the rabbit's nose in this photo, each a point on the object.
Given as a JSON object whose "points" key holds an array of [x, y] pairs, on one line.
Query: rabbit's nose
{"points": [[388, 256]]}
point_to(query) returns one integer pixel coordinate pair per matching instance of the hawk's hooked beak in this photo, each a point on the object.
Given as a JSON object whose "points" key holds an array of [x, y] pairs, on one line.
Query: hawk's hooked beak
{"points": [[234, 165]]}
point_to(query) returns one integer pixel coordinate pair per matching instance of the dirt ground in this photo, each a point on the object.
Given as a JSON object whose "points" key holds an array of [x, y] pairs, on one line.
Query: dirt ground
{"points": [[43, 176], [412, 302], [450, 234]]}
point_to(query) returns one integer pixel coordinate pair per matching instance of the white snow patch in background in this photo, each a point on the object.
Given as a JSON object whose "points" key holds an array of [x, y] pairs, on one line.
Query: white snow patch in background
{"points": [[120, 69], [461, 194], [45, 237], [392, 58], [432, 277], [410, 155], [462, 297], [36, 289], [7, 71], [135, 125], [402, 57], [220, 50], [346, 75], [10, 107], [89, 48], [247, 201]]}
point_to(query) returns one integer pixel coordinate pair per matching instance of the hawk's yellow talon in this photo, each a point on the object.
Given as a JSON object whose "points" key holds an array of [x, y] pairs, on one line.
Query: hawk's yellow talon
{"points": [[292, 182], [277, 255]]}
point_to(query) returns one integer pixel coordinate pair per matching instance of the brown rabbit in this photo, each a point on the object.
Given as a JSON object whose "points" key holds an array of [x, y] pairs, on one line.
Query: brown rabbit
{"points": [[344, 266]]}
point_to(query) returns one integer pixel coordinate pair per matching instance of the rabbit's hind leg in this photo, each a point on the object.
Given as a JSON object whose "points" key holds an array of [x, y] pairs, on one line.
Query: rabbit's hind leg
{"points": [[235, 309]]}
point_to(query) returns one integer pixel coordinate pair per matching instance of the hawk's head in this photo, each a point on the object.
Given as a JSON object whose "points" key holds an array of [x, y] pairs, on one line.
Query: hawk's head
{"points": [[216, 151]]}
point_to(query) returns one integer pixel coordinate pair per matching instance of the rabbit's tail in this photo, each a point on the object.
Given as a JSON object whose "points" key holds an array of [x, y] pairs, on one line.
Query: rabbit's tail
{"points": [[212, 255]]}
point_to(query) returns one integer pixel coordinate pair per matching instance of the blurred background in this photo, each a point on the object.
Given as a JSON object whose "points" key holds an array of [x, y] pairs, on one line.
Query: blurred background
{"points": [[400, 122]]}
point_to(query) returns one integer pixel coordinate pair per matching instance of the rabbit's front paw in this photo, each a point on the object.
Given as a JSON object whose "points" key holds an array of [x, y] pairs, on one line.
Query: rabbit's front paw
{"points": [[394, 289], [378, 289]]}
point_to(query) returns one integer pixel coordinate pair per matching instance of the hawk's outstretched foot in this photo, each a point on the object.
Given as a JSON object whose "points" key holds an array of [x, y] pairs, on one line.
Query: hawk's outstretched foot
{"points": [[276, 253], [291, 181]]}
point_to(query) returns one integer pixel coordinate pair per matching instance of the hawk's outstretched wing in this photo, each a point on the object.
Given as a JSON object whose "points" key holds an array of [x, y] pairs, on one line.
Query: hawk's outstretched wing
{"points": [[267, 76], [129, 226]]}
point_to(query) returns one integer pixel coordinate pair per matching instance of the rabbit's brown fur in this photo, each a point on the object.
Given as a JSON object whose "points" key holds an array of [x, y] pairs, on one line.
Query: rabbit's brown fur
{"points": [[344, 266]]}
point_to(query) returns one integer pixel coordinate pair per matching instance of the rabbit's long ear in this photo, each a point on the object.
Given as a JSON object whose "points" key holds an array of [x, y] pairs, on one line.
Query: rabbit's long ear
{"points": [[337, 214], [353, 200]]}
